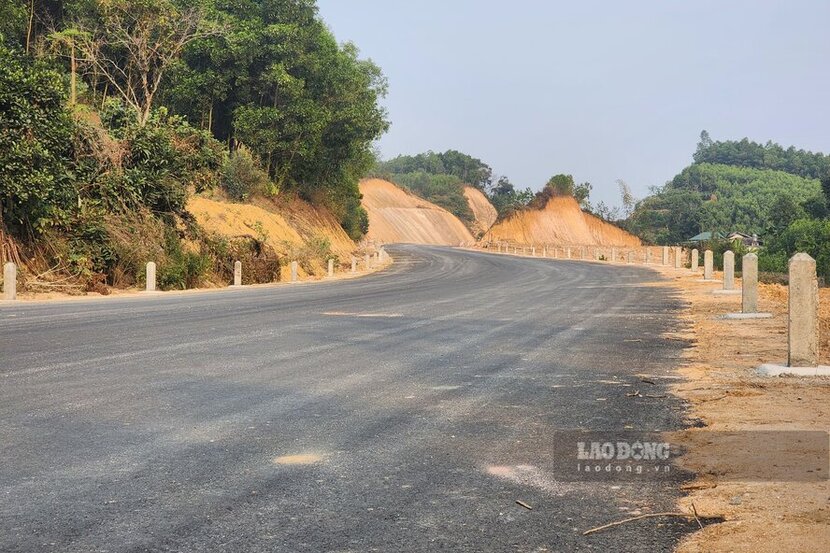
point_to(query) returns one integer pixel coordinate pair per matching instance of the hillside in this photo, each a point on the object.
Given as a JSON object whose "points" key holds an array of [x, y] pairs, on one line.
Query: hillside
{"points": [[484, 213], [561, 221], [396, 216]]}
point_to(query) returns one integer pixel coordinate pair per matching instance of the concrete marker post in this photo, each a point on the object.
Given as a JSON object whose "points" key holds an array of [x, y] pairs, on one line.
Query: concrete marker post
{"points": [[708, 265], [331, 268], [9, 281], [630, 257], [569, 253], [665, 255], [237, 274], [803, 312], [695, 260], [678, 257], [293, 271], [729, 270], [613, 255], [749, 284], [749, 291], [150, 277], [533, 251]]}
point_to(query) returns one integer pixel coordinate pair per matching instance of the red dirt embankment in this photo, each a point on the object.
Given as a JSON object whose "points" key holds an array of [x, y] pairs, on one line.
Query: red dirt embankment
{"points": [[561, 222], [483, 211], [397, 216]]}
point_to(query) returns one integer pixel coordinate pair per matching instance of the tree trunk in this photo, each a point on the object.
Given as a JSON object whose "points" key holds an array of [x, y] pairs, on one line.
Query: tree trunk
{"points": [[73, 88]]}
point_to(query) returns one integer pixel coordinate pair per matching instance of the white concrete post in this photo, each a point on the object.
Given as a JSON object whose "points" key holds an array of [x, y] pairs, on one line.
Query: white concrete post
{"points": [[533, 251], [803, 312], [678, 257], [354, 264], [708, 264], [749, 283], [665, 255], [367, 260], [598, 255], [150, 278], [544, 251], [569, 253], [613, 254], [293, 271], [728, 270], [695, 260], [630, 257], [237, 273], [499, 247], [331, 268], [648, 256], [10, 281]]}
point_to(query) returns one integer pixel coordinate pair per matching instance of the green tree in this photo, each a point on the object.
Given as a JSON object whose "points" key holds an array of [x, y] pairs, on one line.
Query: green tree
{"points": [[36, 143]]}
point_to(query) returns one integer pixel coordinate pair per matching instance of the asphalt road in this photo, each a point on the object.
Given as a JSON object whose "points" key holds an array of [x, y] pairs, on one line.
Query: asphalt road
{"points": [[404, 411]]}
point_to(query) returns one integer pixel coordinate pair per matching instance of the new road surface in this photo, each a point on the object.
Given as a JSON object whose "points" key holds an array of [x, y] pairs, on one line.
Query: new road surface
{"points": [[410, 410]]}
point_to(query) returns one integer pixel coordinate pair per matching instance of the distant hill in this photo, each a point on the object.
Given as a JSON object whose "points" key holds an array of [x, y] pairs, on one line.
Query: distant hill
{"points": [[733, 186], [396, 216], [559, 222]]}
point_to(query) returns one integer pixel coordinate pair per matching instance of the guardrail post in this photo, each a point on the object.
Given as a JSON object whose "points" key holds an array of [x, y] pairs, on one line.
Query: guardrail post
{"points": [[803, 312], [293, 271], [150, 277], [695, 260], [237, 273], [728, 270], [749, 284], [708, 264], [10, 281]]}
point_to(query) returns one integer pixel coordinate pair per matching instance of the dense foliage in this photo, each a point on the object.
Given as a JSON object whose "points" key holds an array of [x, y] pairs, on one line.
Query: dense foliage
{"points": [[465, 168], [112, 112], [745, 153], [707, 197], [439, 178], [779, 194], [732, 194]]}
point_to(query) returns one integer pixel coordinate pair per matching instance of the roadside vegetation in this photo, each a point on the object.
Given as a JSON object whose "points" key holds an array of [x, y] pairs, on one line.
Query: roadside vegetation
{"points": [[113, 112], [781, 195], [441, 177]]}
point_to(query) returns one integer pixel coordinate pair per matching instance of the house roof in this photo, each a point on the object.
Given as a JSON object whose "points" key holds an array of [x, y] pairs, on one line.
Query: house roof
{"points": [[703, 236]]}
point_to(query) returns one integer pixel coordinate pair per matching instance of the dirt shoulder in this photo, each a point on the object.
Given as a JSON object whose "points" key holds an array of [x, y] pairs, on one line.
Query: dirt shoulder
{"points": [[724, 393]]}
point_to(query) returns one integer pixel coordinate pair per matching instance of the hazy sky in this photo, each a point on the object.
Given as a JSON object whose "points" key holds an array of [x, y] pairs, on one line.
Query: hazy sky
{"points": [[603, 90]]}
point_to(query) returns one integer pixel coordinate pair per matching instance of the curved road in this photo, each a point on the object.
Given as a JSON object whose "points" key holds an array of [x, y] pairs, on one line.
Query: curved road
{"points": [[403, 411]]}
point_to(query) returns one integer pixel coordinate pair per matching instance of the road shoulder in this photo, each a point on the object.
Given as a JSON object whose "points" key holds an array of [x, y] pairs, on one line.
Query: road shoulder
{"points": [[725, 394]]}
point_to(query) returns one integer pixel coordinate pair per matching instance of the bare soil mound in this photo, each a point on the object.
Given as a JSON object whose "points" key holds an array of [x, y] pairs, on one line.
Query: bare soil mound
{"points": [[561, 222], [484, 212], [397, 216], [292, 227]]}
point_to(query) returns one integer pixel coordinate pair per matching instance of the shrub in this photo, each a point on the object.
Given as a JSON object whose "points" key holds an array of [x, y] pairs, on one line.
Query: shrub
{"points": [[36, 158], [181, 269], [241, 176]]}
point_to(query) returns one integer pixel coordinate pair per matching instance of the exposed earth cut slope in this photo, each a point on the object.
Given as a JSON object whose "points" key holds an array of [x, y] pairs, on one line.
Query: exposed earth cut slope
{"points": [[397, 216], [560, 222], [484, 212]]}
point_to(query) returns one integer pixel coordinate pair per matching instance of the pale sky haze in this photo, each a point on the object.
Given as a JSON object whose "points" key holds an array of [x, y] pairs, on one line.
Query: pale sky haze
{"points": [[600, 89]]}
